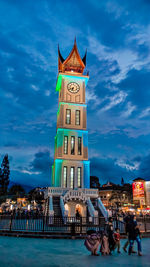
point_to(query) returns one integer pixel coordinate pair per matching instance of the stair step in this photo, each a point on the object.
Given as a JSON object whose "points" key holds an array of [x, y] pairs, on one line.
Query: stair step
{"points": [[56, 206]]}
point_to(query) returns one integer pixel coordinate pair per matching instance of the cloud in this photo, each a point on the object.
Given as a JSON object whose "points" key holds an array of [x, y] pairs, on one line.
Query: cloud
{"points": [[116, 35], [145, 113], [128, 110], [144, 170], [107, 169], [129, 166], [41, 162], [114, 100], [37, 172]]}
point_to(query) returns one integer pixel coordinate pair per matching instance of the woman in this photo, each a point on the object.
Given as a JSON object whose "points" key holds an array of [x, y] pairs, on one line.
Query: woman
{"points": [[110, 232], [104, 244], [92, 242]]}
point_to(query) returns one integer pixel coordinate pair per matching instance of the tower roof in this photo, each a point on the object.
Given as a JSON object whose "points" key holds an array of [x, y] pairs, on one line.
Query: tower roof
{"points": [[73, 63]]}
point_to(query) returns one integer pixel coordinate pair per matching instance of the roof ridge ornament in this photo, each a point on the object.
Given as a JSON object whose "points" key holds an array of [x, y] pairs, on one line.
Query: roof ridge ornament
{"points": [[72, 63]]}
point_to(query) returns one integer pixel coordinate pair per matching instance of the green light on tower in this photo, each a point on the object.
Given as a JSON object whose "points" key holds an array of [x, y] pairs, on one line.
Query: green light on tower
{"points": [[59, 81]]}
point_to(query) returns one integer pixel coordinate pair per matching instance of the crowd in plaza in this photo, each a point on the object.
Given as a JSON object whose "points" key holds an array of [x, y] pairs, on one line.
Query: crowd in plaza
{"points": [[35, 213], [108, 240]]}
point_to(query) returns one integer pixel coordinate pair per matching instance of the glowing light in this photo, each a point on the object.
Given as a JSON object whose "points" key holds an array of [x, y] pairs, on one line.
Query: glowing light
{"points": [[59, 81], [86, 164]]}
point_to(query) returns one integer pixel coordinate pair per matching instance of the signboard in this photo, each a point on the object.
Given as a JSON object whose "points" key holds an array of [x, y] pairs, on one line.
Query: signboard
{"points": [[138, 189], [148, 192]]}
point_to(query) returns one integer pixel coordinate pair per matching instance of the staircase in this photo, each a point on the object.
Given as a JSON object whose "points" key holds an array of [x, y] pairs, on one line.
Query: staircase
{"points": [[100, 215], [94, 202], [56, 207], [46, 212]]}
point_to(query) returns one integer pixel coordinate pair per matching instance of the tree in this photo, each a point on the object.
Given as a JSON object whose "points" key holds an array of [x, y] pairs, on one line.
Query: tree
{"points": [[4, 175], [94, 182], [122, 181], [1, 181], [36, 194], [17, 190]]}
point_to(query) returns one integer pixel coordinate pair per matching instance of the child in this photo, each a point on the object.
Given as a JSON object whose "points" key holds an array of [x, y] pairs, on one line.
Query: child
{"points": [[92, 242], [104, 244], [117, 239]]}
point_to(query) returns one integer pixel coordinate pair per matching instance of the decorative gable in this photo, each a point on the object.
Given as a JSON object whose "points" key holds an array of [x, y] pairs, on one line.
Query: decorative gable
{"points": [[73, 63]]}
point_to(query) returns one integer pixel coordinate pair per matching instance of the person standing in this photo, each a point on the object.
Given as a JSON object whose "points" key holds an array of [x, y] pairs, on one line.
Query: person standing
{"points": [[134, 234], [110, 232], [127, 220], [104, 244]]}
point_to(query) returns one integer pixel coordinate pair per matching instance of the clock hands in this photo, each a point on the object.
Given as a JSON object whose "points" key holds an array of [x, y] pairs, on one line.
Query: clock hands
{"points": [[73, 87]]}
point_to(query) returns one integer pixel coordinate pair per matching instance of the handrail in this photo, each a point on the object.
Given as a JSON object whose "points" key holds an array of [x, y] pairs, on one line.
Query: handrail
{"points": [[102, 208], [51, 209], [63, 210], [58, 191], [91, 209]]}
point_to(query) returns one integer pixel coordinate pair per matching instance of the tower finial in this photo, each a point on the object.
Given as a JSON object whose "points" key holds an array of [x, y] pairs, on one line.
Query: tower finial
{"points": [[60, 56], [84, 58]]}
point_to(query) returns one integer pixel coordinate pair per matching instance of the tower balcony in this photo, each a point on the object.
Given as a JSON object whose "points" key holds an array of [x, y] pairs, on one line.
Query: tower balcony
{"points": [[72, 194]]}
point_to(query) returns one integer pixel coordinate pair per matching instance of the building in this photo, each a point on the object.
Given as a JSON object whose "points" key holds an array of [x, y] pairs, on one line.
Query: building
{"points": [[70, 186], [113, 195], [141, 192]]}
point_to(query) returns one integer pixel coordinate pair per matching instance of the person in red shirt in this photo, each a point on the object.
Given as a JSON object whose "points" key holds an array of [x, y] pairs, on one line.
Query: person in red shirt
{"points": [[117, 239]]}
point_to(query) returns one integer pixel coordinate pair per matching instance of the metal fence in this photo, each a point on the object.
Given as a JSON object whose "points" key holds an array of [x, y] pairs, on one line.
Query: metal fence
{"points": [[59, 225]]}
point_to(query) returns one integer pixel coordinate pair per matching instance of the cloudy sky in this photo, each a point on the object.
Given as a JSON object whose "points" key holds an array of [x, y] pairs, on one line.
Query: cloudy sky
{"points": [[117, 37]]}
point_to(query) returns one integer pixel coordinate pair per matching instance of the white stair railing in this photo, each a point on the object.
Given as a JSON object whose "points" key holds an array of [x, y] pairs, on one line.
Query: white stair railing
{"points": [[63, 210], [102, 208], [51, 210], [92, 211]]}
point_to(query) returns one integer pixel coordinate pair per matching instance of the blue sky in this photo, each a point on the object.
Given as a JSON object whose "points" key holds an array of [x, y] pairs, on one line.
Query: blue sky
{"points": [[117, 37]]}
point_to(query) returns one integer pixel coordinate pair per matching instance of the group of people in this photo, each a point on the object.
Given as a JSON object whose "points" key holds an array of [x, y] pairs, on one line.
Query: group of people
{"points": [[108, 240], [23, 213]]}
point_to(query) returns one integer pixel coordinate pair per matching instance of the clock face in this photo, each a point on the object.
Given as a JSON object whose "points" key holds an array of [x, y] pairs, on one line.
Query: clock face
{"points": [[73, 87]]}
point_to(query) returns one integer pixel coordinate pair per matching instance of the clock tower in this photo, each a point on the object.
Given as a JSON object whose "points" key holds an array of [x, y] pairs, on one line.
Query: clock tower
{"points": [[70, 183], [71, 167]]}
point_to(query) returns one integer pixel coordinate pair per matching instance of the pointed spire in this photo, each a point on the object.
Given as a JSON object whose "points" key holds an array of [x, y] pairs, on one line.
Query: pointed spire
{"points": [[84, 58], [75, 41], [60, 56]]}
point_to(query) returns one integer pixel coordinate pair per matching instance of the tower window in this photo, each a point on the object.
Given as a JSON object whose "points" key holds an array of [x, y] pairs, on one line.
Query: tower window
{"points": [[77, 117], [72, 177], [79, 145], [68, 116], [72, 145], [65, 177], [79, 177], [65, 144]]}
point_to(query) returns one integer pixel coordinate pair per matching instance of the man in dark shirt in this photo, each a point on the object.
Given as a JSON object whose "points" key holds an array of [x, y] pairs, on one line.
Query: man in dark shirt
{"points": [[134, 234]]}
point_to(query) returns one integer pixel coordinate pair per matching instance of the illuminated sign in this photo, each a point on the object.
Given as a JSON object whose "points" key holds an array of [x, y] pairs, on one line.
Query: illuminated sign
{"points": [[147, 185], [138, 189]]}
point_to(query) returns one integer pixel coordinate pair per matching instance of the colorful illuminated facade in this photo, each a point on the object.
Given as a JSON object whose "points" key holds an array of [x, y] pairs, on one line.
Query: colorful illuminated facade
{"points": [[71, 167], [70, 184], [141, 192]]}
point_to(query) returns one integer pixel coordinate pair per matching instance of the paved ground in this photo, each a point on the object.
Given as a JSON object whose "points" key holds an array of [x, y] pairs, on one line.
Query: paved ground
{"points": [[32, 252]]}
